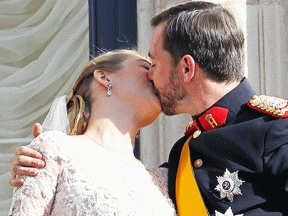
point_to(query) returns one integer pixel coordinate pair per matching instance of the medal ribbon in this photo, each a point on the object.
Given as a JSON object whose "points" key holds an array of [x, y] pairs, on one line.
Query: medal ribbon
{"points": [[188, 197]]}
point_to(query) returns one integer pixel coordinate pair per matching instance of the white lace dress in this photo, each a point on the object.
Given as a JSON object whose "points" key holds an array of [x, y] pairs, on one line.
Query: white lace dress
{"points": [[81, 178]]}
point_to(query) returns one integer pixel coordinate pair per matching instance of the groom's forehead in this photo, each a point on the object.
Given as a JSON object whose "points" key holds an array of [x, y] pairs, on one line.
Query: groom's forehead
{"points": [[157, 35]]}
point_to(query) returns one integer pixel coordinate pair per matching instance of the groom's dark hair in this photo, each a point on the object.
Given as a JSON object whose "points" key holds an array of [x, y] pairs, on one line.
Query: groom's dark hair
{"points": [[209, 33]]}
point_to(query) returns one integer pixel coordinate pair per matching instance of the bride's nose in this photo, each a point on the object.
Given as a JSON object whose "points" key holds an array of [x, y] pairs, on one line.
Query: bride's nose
{"points": [[150, 73]]}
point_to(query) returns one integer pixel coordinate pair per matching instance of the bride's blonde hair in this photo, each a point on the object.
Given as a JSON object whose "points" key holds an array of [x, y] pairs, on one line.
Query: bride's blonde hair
{"points": [[79, 97]]}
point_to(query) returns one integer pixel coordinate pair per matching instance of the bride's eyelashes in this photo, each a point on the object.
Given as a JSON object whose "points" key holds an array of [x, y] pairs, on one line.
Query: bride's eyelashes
{"points": [[146, 67]]}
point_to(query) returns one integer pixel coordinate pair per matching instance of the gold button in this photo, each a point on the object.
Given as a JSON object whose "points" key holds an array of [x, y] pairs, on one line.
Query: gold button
{"points": [[196, 134], [198, 163]]}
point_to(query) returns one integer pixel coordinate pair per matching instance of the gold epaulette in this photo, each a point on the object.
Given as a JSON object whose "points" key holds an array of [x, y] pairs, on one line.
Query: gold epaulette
{"points": [[276, 107]]}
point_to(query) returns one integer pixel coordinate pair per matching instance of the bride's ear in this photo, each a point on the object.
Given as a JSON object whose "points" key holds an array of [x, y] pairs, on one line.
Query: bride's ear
{"points": [[101, 77]]}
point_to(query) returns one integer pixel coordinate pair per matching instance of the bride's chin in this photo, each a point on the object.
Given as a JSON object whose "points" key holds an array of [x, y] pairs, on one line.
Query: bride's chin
{"points": [[156, 105], [156, 110], [150, 113], [148, 120]]}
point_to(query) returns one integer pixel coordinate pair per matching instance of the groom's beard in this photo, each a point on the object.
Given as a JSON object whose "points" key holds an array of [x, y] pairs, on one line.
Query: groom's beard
{"points": [[171, 95]]}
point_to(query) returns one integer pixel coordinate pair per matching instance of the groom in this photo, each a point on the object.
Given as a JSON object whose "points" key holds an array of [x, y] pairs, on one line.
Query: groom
{"points": [[238, 158]]}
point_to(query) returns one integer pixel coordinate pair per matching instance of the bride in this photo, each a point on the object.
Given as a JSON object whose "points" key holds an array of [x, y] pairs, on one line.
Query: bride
{"points": [[93, 171]]}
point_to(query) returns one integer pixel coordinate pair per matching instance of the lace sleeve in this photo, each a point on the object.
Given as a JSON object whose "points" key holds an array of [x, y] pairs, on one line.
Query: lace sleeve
{"points": [[160, 179], [36, 195]]}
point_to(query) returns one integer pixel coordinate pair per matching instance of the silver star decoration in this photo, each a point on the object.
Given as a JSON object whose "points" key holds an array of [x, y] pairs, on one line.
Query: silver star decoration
{"points": [[229, 185], [227, 213]]}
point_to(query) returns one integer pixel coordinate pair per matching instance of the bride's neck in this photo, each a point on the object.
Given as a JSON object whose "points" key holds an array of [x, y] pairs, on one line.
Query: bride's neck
{"points": [[113, 130]]}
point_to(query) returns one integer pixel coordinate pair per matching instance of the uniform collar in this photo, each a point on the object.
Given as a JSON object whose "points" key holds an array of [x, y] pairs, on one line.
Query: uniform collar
{"points": [[224, 110]]}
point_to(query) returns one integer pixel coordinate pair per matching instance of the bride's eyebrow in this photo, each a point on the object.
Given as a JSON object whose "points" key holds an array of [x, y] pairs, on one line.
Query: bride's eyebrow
{"points": [[143, 60]]}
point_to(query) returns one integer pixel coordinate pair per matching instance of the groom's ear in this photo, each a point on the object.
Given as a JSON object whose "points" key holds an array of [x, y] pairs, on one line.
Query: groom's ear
{"points": [[187, 67], [101, 77]]}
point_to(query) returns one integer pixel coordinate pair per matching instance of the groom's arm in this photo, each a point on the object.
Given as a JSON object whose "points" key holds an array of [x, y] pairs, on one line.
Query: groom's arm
{"points": [[26, 161]]}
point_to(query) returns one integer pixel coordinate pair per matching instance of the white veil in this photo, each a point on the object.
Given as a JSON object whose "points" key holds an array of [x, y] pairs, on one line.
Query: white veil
{"points": [[57, 118]]}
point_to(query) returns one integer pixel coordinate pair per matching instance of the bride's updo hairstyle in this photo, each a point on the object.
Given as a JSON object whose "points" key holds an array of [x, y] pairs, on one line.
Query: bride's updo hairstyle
{"points": [[79, 97]]}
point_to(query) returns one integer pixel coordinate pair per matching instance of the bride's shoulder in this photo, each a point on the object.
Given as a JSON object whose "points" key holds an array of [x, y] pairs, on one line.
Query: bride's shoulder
{"points": [[49, 141], [159, 175], [157, 171], [51, 136]]}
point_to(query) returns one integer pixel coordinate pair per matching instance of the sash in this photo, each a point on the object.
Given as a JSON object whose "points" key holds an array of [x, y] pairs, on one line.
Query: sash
{"points": [[188, 198]]}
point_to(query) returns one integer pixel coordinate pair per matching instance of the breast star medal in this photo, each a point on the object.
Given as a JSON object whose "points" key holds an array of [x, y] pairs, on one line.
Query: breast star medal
{"points": [[227, 213], [228, 185]]}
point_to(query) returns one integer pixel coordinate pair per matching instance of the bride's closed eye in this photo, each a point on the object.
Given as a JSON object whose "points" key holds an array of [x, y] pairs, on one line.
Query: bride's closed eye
{"points": [[146, 67]]}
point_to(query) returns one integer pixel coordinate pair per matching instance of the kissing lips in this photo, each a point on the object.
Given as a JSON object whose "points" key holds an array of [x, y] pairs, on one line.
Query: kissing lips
{"points": [[151, 84]]}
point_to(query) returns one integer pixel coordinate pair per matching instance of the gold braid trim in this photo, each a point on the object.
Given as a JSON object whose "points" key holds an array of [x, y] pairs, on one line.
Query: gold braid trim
{"points": [[276, 106]]}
